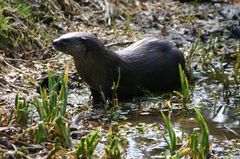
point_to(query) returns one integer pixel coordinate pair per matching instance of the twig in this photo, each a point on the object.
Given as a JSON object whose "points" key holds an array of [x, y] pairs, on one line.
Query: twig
{"points": [[107, 13], [10, 84], [13, 154], [12, 59], [14, 67], [16, 87], [231, 130]]}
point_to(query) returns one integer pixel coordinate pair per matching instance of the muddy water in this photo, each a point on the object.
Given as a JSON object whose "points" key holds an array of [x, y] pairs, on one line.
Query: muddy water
{"points": [[144, 132], [144, 128], [223, 125]]}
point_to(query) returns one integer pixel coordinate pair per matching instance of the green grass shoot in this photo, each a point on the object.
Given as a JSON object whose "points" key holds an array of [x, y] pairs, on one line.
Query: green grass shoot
{"points": [[87, 145], [52, 108], [173, 142], [21, 111], [185, 93], [113, 150], [204, 143]]}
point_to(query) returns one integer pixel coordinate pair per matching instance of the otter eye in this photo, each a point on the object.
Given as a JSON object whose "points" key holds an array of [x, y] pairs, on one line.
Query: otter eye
{"points": [[64, 41]]}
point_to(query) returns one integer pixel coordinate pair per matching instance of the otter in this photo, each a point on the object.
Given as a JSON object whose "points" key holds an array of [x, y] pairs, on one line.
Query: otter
{"points": [[150, 64]]}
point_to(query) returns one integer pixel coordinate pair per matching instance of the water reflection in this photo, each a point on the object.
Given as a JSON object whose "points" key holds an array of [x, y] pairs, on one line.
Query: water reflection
{"points": [[133, 151], [150, 144]]}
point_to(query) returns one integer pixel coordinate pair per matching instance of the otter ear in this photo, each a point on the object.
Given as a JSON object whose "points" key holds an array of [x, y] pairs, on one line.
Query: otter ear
{"points": [[82, 38]]}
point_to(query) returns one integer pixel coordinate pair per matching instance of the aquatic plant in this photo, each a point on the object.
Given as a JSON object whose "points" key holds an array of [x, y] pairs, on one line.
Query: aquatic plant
{"points": [[204, 143], [113, 150], [21, 111], [195, 147], [52, 109], [185, 93], [87, 145], [55, 104], [207, 51], [220, 76], [172, 136], [194, 143], [115, 87]]}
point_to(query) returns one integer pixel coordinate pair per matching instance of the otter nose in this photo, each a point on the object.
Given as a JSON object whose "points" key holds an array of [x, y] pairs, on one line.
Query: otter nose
{"points": [[56, 43]]}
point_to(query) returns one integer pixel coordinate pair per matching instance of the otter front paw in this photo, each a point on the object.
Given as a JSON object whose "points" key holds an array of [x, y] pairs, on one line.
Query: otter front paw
{"points": [[97, 96]]}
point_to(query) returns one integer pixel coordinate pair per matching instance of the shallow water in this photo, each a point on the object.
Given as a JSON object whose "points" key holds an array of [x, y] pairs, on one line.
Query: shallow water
{"points": [[144, 133]]}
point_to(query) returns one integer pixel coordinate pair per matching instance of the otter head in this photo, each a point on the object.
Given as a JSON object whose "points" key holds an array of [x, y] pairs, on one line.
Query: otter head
{"points": [[78, 44], [87, 52]]}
